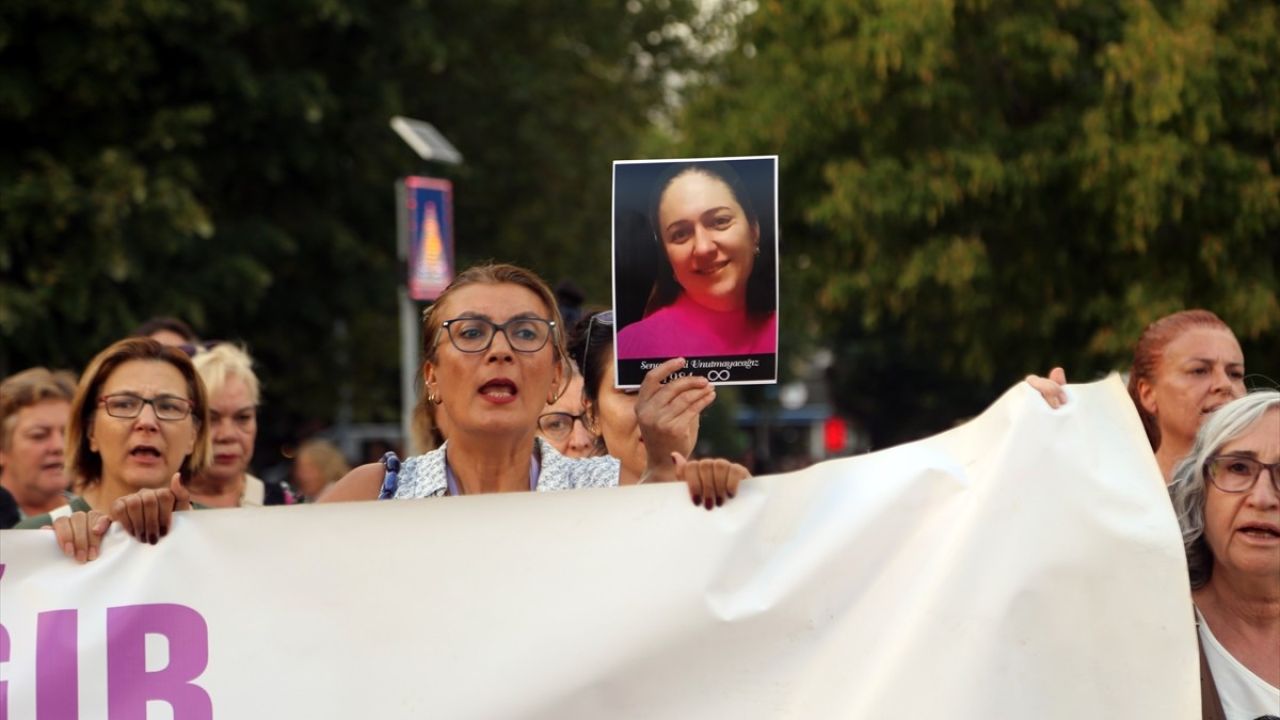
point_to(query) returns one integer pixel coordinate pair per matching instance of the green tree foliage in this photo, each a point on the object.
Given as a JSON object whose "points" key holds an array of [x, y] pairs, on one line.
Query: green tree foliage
{"points": [[230, 162], [975, 190]]}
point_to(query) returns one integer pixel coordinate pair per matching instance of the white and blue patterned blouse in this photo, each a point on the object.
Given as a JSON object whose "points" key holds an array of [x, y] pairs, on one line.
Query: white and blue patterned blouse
{"points": [[424, 475]]}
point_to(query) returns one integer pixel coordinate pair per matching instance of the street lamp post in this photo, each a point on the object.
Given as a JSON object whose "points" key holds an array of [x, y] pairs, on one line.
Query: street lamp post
{"points": [[431, 146]]}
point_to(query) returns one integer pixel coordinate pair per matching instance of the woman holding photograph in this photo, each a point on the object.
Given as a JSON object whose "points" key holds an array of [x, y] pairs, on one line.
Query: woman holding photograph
{"points": [[617, 414], [495, 357], [706, 299]]}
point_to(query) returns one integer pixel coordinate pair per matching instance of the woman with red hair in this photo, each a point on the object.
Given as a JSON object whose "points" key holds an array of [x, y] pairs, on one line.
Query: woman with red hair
{"points": [[1185, 366]]}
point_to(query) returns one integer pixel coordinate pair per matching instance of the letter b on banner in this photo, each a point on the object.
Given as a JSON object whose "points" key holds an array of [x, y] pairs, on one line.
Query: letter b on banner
{"points": [[130, 685]]}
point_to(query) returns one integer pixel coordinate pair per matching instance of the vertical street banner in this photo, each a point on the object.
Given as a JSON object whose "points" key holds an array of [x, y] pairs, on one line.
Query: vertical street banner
{"points": [[428, 208], [1026, 564]]}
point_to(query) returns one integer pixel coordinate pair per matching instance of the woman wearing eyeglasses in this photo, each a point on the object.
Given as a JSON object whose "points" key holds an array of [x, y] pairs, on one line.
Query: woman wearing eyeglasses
{"points": [[494, 359], [563, 423], [138, 419], [1226, 494], [619, 415]]}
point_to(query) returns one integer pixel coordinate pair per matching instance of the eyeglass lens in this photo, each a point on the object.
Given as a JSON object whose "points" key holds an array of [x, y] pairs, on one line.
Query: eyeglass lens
{"points": [[476, 334], [557, 425], [1237, 474], [167, 407]]}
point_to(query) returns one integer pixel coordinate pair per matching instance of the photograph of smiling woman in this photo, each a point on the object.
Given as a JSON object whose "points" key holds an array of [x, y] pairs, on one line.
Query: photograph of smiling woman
{"points": [[695, 267]]}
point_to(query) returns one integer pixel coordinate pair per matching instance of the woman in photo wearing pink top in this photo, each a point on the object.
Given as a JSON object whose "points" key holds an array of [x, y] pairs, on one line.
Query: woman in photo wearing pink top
{"points": [[708, 298]]}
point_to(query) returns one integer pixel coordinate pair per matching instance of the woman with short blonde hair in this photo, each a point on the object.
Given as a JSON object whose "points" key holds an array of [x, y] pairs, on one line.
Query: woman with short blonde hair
{"points": [[234, 393]]}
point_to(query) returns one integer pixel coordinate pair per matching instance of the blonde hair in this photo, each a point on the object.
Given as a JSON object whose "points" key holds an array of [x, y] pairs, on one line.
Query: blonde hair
{"points": [[493, 274], [31, 387], [327, 458], [86, 465], [223, 361]]}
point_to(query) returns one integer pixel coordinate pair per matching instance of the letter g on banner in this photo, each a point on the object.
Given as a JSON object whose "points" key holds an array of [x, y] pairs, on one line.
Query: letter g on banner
{"points": [[718, 375]]}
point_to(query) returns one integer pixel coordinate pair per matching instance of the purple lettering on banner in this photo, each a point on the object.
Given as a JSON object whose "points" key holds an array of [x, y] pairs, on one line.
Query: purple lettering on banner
{"points": [[57, 671], [130, 686], [4, 658]]}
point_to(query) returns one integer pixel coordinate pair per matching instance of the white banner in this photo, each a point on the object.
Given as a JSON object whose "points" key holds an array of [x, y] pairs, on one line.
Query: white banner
{"points": [[1024, 565]]}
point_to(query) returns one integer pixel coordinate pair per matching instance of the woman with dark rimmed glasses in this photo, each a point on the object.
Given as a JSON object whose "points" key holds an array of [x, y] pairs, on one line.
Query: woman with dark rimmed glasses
{"points": [[610, 411], [494, 358], [619, 416], [1226, 494], [139, 421], [564, 423]]}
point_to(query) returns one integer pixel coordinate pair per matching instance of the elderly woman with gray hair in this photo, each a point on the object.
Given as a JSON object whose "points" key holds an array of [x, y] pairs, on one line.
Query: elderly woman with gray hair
{"points": [[1226, 494]]}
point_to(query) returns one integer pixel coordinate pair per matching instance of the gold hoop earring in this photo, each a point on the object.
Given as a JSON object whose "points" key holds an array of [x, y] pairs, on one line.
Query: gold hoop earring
{"points": [[433, 398]]}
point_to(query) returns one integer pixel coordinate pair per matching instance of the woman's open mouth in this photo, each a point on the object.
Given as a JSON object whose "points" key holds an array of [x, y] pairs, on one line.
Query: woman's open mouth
{"points": [[146, 455], [1261, 532], [499, 391]]}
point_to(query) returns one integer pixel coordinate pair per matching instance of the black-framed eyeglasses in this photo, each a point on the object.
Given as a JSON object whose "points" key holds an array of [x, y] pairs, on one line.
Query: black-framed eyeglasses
{"points": [[475, 334], [1238, 473], [558, 425], [128, 406]]}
